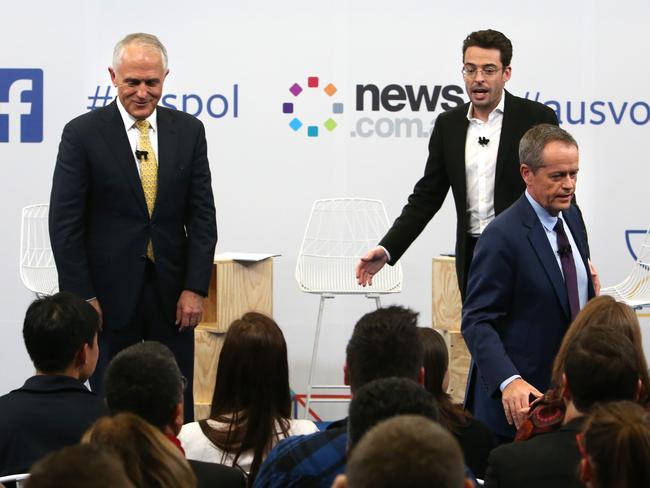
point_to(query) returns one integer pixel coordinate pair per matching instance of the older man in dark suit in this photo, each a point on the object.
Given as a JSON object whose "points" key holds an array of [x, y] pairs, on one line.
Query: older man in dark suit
{"points": [[528, 280], [132, 219], [473, 150]]}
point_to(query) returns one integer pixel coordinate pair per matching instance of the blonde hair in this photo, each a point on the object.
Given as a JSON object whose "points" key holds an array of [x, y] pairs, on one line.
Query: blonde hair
{"points": [[150, 459]]}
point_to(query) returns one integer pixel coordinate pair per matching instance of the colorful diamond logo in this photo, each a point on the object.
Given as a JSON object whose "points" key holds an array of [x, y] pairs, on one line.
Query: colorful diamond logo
{"points": [[289, 107]]}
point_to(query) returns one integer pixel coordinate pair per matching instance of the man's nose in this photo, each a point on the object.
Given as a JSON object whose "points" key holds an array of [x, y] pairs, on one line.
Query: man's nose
{"points": [[141, 90]]}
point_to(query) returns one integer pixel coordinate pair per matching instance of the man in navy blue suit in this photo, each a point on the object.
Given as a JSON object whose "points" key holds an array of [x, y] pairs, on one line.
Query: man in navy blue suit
{"points": [[132, 218], [521, 296]]}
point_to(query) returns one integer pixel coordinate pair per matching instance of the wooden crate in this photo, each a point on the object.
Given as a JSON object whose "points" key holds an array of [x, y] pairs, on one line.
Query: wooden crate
{"points": [[446, 302], [459, 361], [235, 288]]}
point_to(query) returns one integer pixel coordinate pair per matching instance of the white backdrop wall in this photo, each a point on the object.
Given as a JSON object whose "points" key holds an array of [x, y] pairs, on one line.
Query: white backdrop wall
{"points": [[584, 58]]}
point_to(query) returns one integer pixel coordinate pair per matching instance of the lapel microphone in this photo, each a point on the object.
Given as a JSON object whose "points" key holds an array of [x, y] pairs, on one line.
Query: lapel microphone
{"points": [[141, 154], [483, 141]]}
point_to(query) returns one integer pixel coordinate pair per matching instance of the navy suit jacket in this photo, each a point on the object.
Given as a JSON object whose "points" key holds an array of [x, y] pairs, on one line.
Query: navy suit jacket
{"points": [[99, 223], [517, 309]]}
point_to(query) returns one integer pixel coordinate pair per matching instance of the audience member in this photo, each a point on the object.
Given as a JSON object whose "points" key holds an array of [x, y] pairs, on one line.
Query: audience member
{"points": [[615, 446], [474, 437], [150, 460], [406, 450], [79, 466], [251, 406], [145, 379], [384, 344], [547, 412], [53, 408], [600, 366], [385, 398]]}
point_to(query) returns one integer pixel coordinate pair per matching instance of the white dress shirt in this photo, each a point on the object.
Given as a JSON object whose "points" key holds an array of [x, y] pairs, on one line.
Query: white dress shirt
{"points": [[480, 167]]}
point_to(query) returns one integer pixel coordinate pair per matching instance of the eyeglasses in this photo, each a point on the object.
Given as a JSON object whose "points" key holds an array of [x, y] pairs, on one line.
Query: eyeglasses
{"points": [[470, 71]]}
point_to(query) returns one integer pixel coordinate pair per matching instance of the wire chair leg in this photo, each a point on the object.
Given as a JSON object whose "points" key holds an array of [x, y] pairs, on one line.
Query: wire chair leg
{"points": [[314, 353], [377, 301]]}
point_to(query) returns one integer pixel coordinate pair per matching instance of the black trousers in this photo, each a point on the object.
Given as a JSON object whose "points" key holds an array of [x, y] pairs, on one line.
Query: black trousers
{"points": [[463, 274], [148, 323]]}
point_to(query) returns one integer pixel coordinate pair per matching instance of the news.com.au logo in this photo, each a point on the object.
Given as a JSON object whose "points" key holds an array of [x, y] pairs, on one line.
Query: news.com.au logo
{"points": [[296, 124], [21, 105]]}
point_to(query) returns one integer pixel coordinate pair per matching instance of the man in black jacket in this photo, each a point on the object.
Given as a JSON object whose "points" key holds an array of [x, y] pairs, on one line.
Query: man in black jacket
{"points": [[53, 408], [473, 150]]}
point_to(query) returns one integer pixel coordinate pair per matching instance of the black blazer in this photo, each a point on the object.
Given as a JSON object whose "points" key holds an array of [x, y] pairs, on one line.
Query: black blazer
{"points": [[47, 413], [99, 224], [445, 168], [546, 460]]}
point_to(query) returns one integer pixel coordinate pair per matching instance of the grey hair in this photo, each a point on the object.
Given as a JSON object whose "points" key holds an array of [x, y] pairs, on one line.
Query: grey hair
{"points": [[139, 38], [534, 141]]}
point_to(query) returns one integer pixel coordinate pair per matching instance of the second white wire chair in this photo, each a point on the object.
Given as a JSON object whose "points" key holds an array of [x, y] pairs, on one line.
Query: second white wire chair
{"points": [[339, 232]]}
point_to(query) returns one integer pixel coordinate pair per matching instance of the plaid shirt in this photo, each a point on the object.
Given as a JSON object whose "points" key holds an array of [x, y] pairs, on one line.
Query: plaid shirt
{"points": [[306, 460]]}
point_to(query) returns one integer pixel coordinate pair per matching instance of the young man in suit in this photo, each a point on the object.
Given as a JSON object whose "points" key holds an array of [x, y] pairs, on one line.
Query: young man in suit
{"points": [[528, 280], [53, 408], [600, 367], [132, 218], [473, 150]]}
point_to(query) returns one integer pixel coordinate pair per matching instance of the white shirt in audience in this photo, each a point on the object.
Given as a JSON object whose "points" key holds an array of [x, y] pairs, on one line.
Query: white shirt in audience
{"points": [[197, 446]]}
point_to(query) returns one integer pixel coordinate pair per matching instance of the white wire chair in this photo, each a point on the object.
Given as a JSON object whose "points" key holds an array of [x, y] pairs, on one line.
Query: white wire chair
{"points": [[339, 232], [634, 290], [37, 268], [17, 478]]}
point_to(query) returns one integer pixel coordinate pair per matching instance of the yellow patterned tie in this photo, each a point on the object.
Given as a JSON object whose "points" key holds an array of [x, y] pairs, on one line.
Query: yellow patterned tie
{"points": [[148, 173]]}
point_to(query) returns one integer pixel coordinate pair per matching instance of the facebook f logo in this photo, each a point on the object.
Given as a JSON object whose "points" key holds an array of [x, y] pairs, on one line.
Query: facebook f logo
{"points": [[21, 105]]}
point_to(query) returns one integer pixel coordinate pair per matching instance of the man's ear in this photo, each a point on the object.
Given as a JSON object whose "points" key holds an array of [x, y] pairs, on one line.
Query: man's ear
{"points": [[346, 374], [421, 375], [81, 357], [341, 481], [177, 420], [525, 172]]}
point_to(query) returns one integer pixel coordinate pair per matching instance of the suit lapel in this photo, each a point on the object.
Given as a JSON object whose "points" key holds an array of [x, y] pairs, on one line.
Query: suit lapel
{"points": [[539, 241], [167, 150], [457, 133], [118, 143], [508, 134]]}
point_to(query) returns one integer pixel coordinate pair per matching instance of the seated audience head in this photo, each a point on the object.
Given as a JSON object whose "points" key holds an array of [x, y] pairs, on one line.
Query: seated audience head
{"points": [[615, 446], [252, 393], [145, 379], [600, 366], [384, 343], [60, 333], [407, 450], [384, 398], [150, 460], [605, 310], [79, 466]]}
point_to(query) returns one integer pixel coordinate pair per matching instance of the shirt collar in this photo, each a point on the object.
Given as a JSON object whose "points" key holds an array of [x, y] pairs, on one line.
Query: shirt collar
{"points": [[129, 120], [497, 110], [547, 220]]}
